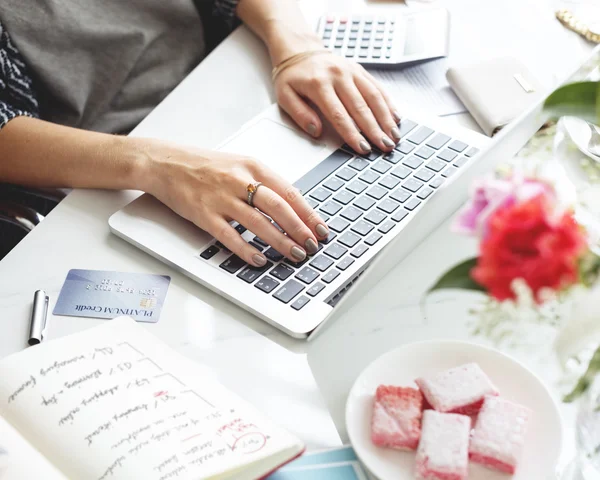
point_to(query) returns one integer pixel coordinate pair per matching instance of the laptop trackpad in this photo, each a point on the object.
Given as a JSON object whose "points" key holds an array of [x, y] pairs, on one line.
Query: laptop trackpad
{"points": [[286, 151]]}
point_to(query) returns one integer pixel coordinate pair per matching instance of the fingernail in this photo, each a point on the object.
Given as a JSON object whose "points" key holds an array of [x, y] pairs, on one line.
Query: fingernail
{"points": [[259, 260], [397, 116], [387, 142], [364, 146], [312, 129], [311, 246], [396, 133], [322, 230], [298, 253]]}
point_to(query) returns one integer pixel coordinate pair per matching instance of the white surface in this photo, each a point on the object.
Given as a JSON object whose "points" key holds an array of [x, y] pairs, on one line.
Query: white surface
{"points": [[402, 365], [249, 357]]}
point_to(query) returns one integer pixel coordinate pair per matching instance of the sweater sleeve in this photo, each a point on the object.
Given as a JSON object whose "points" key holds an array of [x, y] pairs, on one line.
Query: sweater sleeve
{"points": [[226, 10]]}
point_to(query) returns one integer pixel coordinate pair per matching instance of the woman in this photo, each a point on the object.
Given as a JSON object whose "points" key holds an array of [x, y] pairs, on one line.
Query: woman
{"points": [[100, 67]]}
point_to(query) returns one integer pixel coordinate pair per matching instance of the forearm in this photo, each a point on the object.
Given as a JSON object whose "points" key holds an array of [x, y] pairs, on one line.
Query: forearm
{"points": [[38, 153], [281, 25]]}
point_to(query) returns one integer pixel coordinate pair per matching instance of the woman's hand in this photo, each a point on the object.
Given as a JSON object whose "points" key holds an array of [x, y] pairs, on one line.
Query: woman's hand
{"points": [[347, 95], [208, 188]]}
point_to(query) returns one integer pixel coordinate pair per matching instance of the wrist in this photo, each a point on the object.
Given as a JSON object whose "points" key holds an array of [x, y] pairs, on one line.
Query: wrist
{"points": [[143, 156], [284, 41]]}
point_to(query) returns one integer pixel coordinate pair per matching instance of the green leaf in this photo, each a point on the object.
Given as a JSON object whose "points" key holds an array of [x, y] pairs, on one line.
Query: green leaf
{"points": [[581, 99], [458, 277], [586, 380]]}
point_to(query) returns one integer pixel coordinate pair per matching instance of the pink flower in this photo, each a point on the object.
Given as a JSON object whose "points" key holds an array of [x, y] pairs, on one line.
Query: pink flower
{"points": [[490, 194]]}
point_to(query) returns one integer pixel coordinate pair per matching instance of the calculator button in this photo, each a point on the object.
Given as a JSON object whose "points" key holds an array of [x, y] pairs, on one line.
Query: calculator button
{"points": [[267, 284], [282, 271], [376, 54], [378, 45], [364, 44], [289, 290], [343, 20], [210, 252], [388, 54], [363, 53], [381, 29], [340, 36], [345, 263], [339, 44], [350, 53], [368, 28], [352, 44], [315, 289], [327, 35], [298, 304], [331, 276], [307, 275], [353, 35], [379, 37]]}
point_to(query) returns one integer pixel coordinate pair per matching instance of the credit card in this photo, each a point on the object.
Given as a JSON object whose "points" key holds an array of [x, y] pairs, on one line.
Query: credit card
{"points": [[101, 294]]}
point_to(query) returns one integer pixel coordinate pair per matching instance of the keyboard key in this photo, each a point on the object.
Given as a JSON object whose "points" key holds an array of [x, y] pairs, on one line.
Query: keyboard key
{"points": [[351, 213], [315, 289], [424, 174], [420, 135], [345, 263], [349, 239], [289, 290], [362, 228], [400, 195], [389, 182], [357, 187], [412, 204], [460, 161], [413, 162], [344, 197], [329, 238], [424, 193], [359, 251], [405, 147], [393, 157], [374, 154], [282, 271], [232, 264], [386, 226], [381, 166], [458, 146], [322, 170], [388, 206], [364, 203], [260, 248], [346, 174], [307, 275], [338, 224], [436, 182], [401, 172], [471, 152], [438, 141], [273, 254], [331, 207], [377, 192], [375, 216], [406, 126], [321, 263], [399, 215], [336, 251], [330, 276], [320, 194], [369, 176], [267, 284], [436, 165], [412, 185], [300, 302], [359, 164], [373, 238], [324, 217], [449, 172], [447, 155], [249, 274], [278, 227], [424, 152], [312, 202], [240, 228], [333, 183], [260, 241], [210, 252]]}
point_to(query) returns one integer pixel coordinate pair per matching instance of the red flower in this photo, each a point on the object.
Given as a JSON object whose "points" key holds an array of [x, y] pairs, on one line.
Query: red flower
{"points": [[524, 242]]}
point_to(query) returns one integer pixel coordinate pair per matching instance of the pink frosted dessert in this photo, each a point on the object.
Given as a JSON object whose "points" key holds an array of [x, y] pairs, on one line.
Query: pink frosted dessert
{"points": [[396, 420], [499, 435], [458, 390], [443, 452]]}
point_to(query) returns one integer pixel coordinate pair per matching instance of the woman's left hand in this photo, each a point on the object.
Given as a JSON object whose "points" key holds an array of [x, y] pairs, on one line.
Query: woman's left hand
{"points": [[347, 95]]}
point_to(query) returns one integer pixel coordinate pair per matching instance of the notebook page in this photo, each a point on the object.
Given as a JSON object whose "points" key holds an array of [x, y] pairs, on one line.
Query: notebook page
{"points": [[115, 402]]}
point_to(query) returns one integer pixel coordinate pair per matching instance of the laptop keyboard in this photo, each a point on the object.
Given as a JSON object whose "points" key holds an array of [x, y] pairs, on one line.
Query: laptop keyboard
{"points": [[361, 198]]}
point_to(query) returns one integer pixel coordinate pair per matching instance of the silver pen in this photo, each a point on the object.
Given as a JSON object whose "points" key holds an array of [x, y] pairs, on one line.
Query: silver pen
{"points": [[39, 313]]}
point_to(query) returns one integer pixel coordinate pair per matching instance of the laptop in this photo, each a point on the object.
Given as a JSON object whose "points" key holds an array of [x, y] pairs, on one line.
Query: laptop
{"points": [[378, 207]]}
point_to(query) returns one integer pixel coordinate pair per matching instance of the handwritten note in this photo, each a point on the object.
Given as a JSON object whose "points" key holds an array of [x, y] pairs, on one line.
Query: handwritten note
{"points": [[114, 402]]}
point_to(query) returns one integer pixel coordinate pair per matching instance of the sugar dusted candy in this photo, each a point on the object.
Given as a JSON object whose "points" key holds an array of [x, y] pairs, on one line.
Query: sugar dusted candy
{"points": [[499, 435], [458, 390], [443, 452], [396, 420]]}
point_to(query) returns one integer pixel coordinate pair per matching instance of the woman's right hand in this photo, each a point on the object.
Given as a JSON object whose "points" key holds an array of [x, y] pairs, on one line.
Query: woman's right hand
{"points": [[209, 188]]}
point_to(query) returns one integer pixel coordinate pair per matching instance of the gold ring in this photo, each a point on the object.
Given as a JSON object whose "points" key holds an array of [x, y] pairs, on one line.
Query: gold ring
{"points": [[251, 189]]}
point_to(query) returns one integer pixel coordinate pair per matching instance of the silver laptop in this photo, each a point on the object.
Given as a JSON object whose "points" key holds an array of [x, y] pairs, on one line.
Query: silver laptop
{"points": [[378, 207]]}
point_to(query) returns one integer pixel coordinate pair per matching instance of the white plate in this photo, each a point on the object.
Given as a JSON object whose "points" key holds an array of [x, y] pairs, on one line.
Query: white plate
{"points": [[402, 365]]}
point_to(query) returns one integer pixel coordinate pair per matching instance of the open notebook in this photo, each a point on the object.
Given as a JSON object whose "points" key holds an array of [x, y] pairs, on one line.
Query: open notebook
{"points": [[114, 402]]}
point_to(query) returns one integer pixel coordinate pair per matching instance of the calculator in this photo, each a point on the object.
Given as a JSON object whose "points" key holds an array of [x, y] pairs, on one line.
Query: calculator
{"points": [[387, 40]]}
